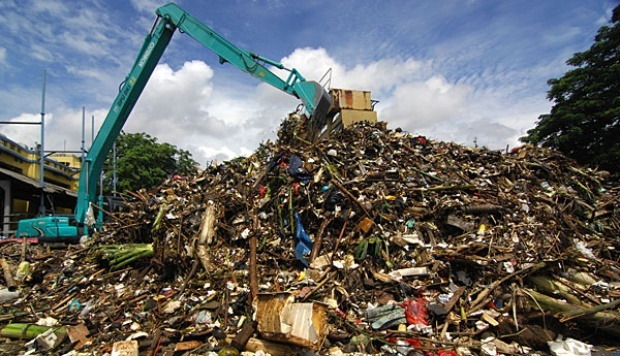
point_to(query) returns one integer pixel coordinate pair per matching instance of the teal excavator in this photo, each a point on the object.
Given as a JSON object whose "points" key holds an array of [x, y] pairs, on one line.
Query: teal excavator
{"points": [[316, 100]]}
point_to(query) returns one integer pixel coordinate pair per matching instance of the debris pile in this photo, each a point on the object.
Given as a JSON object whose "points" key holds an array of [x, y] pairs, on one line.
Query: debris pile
{"points": [[372, 241]]}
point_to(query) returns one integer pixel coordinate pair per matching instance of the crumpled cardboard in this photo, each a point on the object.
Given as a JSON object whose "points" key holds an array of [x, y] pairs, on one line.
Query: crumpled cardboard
{"points": [[282, 319]]}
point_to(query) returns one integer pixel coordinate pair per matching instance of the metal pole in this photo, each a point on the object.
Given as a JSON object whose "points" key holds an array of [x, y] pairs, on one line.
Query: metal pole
{"points": [[42, 153], [20, 123], [83, 133], [92, 139], [100, 199], [114, 168]]}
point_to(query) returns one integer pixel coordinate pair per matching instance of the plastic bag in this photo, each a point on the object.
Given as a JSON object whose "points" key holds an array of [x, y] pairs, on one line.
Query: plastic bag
{"points": [[416, 311], [303, 245]]}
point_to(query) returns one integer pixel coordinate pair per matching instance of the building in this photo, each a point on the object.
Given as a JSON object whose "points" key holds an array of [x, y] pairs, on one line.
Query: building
{"points": [[68, 159], [20, 184]]}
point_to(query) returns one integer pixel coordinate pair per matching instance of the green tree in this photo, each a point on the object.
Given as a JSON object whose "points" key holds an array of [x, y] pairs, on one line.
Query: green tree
{"points": [[142, 162], [584, 122]]}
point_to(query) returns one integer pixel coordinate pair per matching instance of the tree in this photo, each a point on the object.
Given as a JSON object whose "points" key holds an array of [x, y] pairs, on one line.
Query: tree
{"points": [[584, 122], [142, 162]]}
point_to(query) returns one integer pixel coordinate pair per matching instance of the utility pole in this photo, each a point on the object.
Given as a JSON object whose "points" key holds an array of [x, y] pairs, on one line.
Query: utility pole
{"points": [[42, 152]]}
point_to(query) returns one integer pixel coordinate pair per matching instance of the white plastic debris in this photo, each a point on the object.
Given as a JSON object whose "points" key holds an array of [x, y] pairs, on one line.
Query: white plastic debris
{"points": [[172, 306], [585, 250], [398, 274], [569, 347], [509, 267], [47, 321], [7, 296]]}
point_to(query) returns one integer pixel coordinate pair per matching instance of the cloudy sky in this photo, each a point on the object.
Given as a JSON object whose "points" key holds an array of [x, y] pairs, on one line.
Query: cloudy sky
{"points": [[452, 70]]}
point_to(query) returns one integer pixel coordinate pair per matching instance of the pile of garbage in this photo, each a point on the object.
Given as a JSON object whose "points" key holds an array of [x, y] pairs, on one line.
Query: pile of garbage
{"points": [[372, 241]]}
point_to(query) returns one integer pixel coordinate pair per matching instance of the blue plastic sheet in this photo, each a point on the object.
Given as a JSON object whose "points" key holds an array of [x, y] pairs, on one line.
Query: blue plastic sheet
{"points": [[296, 170], [303, 245]]}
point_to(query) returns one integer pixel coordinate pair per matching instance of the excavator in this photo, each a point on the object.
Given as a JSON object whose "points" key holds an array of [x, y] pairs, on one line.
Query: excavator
{"points": [[317, 101]]}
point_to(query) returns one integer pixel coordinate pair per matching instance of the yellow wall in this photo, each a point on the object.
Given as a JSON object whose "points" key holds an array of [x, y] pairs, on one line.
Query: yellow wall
{"points": [[68, 159], [27, 162]]}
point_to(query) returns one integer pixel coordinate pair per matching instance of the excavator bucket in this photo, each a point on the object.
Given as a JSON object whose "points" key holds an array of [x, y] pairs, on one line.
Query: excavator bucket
{"points": [[322, 104]]}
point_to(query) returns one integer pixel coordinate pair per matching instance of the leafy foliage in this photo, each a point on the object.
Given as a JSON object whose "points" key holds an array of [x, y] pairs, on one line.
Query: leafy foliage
{"points": [[142, 162], [584, 122]]}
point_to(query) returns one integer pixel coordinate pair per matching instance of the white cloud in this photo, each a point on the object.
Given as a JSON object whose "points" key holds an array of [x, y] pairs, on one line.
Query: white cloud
{"points": [[172, 106], [381, 75], [88, 72], [184, 108], [27, 135], [386, 74], [561, 35], [49, 7], [82, 43], [2, 56], [41, 53], [147, 5], [423, 104]]}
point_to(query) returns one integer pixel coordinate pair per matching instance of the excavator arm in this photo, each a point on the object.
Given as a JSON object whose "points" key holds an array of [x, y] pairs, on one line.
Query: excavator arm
{"points": [[170, 18]]}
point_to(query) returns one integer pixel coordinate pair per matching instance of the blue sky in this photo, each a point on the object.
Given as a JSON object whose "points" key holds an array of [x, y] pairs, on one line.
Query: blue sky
{"points": [[450, 70]]}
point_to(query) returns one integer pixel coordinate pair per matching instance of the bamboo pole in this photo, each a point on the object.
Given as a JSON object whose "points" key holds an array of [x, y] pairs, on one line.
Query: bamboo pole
{"points": [[252, 260], [26, 331], [8, 277], [600, 316]]}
